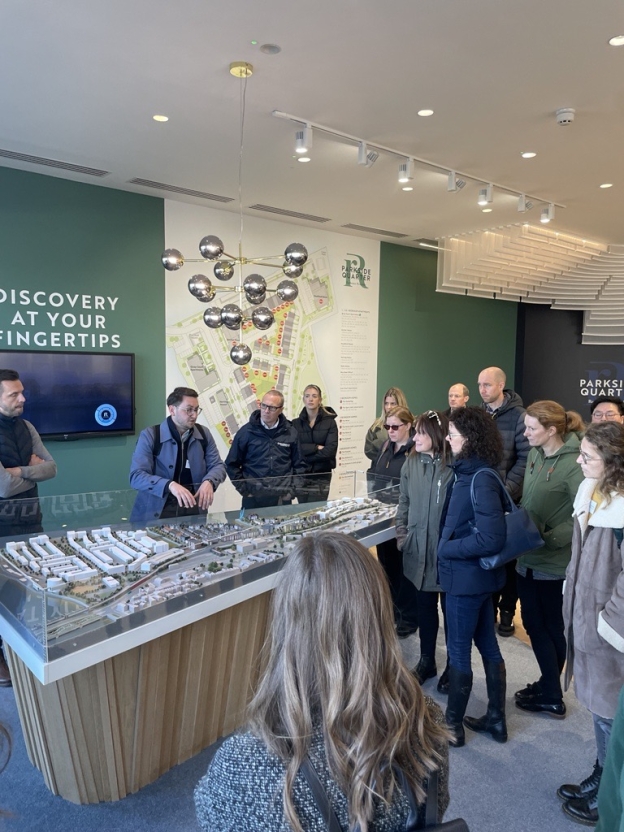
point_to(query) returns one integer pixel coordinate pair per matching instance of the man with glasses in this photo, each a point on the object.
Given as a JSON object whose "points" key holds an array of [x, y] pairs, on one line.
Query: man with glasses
{"points": [[265, 460], [176, 466], [607, 409]]}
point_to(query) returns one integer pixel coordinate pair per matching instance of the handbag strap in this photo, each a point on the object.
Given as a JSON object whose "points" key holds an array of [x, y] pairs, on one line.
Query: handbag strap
{"points": [[411, 824], [511, 506]]}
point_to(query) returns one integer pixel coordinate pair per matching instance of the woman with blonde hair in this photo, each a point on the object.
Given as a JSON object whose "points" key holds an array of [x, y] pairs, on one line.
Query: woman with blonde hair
{"points": [[318, 437], [377, 434], [551, 480], [335, 692]]}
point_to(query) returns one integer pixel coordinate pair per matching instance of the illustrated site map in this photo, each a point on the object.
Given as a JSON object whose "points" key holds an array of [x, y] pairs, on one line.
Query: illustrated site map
{"points": [[283, 356]]}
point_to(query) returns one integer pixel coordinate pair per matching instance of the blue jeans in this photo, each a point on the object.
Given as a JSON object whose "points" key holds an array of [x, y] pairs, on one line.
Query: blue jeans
{"points": [[468, 618]]}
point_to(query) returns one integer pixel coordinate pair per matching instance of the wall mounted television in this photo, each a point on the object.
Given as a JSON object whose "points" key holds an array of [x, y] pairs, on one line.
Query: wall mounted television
{"points": [[75, 395]]}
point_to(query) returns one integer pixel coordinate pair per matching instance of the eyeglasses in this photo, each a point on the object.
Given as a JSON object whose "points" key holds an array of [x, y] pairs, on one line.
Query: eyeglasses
{"points": [[587, 459], [432, 414], [395, 427], [270, 407], [609, 416], [454, 435], [189, 410]]}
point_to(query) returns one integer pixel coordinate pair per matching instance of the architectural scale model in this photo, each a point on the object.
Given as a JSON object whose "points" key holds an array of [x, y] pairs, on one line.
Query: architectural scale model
{"points": [[86, 581]]}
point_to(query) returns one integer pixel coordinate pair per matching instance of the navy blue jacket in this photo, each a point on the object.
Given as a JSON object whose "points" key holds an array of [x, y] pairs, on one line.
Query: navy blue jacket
{"points": [[264, 461], [460, 547]]}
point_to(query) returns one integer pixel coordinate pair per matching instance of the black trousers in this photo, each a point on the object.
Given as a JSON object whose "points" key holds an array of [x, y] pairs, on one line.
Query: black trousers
{"points": [[507, 598], [428, 620], [541, 603], [404, 593]]}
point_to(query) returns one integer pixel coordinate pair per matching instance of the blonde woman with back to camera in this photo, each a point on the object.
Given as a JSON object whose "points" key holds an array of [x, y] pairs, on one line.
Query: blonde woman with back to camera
{"points": [[335, 691]]}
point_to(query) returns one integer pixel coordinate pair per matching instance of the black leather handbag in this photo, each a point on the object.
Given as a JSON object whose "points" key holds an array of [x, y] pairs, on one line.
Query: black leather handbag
{"points": [[411, 824], [522, 533]]}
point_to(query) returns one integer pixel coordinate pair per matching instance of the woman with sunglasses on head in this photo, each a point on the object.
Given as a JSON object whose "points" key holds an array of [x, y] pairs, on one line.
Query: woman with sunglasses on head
{"points": [[318, 437], [336, 694], [551, 480], [377, 434], [467, 534], [424, 481], [386, 472], [593, 600]]}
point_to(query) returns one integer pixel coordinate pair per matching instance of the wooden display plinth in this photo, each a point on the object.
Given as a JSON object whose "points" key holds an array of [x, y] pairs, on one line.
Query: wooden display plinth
{"points": [[112, 728]]}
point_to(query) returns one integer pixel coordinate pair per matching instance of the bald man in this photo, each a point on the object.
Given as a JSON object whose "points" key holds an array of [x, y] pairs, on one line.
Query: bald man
{"points": [[458, 396], [506, 408]]}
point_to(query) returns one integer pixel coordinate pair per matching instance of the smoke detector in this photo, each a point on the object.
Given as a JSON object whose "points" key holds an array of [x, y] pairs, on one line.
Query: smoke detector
{"points": [[565, 115]]}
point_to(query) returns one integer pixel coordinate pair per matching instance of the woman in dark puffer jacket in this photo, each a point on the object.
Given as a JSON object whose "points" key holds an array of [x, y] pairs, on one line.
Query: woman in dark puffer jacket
{"points": [[318, 437]]}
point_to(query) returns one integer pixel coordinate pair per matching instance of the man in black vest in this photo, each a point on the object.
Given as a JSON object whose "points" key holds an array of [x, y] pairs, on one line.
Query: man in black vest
{"points": [[24, 462]]}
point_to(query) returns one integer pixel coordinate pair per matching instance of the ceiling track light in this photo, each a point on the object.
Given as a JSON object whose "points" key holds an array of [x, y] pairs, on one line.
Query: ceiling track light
{"points": [[303, 139], [548, 213], [406, 170], [366, 157], [485, 195], [454, 183], [524, 204]]}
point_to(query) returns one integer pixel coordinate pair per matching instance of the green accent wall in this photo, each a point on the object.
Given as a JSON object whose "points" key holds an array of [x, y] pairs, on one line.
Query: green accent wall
{"points": [[429, 340], [68, 237]]}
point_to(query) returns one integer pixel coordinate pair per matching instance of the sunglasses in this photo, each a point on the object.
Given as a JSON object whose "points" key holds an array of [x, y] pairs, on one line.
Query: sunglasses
{"points": [[395, 427], [432, 414]]}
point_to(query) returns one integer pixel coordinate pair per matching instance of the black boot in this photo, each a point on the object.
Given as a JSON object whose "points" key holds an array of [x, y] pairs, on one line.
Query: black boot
{"points": [[460, 685], [443, 681], [583, 809], [506, 625], [493, 722], [587, 787], [425, 669]]}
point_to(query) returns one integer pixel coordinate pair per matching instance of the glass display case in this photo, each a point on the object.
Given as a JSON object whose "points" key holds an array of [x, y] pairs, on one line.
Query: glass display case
{"points": [[87, 583]]}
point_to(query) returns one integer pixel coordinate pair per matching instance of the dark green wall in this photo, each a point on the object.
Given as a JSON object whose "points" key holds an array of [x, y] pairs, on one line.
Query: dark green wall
{"points": [[429, 340], [62, 236]]}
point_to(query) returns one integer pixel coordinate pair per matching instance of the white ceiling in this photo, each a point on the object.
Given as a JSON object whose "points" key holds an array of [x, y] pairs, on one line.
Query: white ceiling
{"points": [[81, 81]]}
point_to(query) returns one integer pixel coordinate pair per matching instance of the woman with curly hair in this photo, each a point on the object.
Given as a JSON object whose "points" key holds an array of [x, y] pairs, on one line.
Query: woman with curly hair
{"points": [[334, 692], [468, 534], [593, 601]]}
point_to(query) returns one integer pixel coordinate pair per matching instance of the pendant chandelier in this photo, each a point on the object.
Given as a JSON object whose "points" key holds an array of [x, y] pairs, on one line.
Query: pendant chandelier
{"points": [[253, 286]]}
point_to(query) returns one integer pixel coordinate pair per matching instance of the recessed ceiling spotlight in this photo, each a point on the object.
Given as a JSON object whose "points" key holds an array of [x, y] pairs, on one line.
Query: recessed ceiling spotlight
{"points": [[607, 185], [160, 118], [425, 113], [528, 154], [486, 210], [303, 158], [407, 188], [270, 48], [618, 40]]}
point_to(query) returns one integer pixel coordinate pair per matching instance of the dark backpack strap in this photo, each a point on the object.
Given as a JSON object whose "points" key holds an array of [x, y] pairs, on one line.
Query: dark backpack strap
{"points": [[156, 444], [511, 506], [204, 439], [320, 796], [619, 536]]}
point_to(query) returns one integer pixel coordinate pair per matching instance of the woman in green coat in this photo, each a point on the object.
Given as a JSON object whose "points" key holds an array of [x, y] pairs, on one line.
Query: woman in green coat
{"points": [[422, 491], [551, 480]]}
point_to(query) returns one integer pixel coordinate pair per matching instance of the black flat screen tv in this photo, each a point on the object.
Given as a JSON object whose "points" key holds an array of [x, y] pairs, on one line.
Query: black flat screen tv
{"points": [[75, 395]]}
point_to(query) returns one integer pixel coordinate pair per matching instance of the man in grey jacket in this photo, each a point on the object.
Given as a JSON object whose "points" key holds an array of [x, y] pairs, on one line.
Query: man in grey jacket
{"points": [[506, 408]]}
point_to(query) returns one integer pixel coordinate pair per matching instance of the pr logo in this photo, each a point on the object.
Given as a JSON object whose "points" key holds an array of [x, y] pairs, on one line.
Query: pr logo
{"points": [[355, 272]]}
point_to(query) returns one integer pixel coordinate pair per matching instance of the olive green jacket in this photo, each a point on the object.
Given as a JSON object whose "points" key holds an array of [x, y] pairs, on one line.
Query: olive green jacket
{"points": [[422, 493], [550, 486]]}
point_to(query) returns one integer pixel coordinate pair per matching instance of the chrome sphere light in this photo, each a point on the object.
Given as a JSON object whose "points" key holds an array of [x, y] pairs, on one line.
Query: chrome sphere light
{"points": [[287, 290], [201, 287], [240, 354], [262, 317], [296, 254], [232, 315], [212, 317], [223, 270], [211, 247], [256, 300], [254, 285], [292, 270], [172, 259]]}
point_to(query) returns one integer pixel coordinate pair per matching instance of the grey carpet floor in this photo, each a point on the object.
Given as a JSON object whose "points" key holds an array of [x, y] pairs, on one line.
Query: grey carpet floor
{"points": [[496, 788]]}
